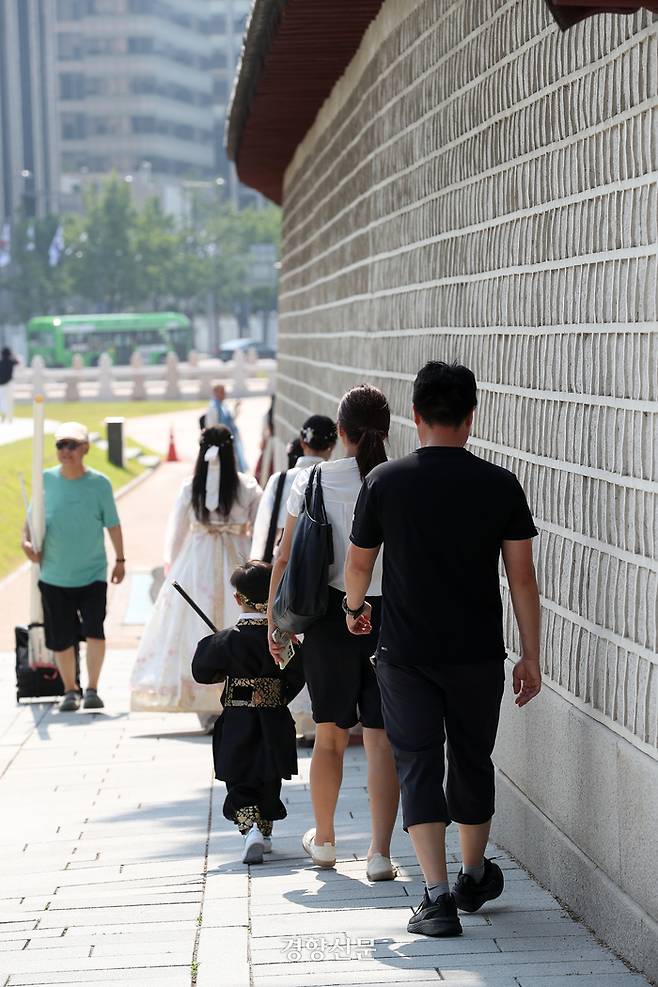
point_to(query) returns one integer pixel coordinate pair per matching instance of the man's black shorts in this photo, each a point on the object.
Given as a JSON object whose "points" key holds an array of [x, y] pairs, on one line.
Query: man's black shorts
{"points": [[425, 706], [71, 613], [341, 680]]}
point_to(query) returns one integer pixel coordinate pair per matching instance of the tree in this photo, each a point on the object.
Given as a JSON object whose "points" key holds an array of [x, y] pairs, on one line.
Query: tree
{"points": [[119, 258], [102, 249], [156, 253], [225, 246], [36, 287]]}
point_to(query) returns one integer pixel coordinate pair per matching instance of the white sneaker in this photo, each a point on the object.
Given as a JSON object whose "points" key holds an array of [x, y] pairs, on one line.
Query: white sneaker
{"points": [[267, 844], [253, 850], [322, 856], [380, 868]]}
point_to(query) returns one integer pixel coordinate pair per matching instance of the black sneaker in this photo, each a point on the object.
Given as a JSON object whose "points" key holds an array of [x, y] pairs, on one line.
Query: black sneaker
{"points": [[471, 894], [92, 700], [70, 702], [436, 918]]}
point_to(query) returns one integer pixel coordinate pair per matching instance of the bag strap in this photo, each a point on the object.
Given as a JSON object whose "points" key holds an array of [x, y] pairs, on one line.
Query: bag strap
{"points": [[308, 493], [313, 499], [271, 534]]}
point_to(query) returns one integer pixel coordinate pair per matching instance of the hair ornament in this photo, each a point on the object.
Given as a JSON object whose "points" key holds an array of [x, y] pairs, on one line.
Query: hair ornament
{"points": [[211, 457], [246, 602], [307, 434]]}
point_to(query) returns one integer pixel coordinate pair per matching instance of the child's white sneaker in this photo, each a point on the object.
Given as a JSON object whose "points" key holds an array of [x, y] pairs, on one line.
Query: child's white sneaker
{"points": [[254, 847], [267, 844]]}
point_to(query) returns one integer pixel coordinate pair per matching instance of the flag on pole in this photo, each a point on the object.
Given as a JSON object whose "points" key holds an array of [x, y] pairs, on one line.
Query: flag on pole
{"points": [[29, 238], [5, 245], [56, 248]]}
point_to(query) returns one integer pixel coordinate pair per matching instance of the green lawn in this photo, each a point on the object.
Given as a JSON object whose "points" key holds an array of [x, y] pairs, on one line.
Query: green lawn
{"points": [[16, 458], [93, 414]]}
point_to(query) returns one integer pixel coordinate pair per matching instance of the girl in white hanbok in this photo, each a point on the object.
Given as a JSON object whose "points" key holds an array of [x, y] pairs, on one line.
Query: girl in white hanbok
{"points": [[208, 536]]}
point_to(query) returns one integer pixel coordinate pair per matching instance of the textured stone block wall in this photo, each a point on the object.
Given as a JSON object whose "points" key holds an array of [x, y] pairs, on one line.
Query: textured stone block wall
{"points": [[482, 187]]}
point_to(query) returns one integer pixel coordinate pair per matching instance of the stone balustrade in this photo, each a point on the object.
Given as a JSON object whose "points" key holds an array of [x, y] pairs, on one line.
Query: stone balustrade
{"points": [[174, 380]]}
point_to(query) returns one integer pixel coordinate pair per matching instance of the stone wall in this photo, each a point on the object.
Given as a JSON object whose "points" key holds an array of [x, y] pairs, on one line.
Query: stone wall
{"points": [[481, 187]]}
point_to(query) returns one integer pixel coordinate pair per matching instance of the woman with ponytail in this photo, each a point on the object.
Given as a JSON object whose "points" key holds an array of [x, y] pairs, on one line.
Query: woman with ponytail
{"points": [[340, 678], [208, 535]]}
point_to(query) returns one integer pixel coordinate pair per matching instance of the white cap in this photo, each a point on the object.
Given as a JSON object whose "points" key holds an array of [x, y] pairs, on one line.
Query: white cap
{"points": [[71, 430]]}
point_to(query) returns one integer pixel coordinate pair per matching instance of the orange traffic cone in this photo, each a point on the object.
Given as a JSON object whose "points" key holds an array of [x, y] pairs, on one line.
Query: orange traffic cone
{"points": [[172, 455]]}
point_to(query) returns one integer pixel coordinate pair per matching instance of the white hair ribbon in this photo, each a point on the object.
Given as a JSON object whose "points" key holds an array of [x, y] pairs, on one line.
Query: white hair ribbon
{"points": [[212, 478]]}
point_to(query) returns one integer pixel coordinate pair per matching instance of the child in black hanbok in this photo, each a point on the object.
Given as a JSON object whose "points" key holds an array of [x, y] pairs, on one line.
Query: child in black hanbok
{"points": [[254, 744]]}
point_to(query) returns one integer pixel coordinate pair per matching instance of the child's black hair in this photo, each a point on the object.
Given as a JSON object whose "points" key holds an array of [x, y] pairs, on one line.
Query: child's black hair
{"points": [[252, 581]]}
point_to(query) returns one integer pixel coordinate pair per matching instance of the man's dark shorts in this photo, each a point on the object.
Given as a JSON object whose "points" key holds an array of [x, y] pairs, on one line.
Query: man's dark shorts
{"points": [[425, 707], [71, 613]]}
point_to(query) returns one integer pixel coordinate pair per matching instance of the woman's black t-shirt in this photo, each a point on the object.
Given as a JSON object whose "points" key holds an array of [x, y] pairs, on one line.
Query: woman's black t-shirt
{"points": [[442, 515]]}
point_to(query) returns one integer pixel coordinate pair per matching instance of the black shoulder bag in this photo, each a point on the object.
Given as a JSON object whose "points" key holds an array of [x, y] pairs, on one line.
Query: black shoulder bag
{"points": [[271, 534], [303, 593]]}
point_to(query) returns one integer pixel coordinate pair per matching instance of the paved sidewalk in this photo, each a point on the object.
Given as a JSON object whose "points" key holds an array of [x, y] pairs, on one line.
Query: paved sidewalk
{"points": [[118, 867]]}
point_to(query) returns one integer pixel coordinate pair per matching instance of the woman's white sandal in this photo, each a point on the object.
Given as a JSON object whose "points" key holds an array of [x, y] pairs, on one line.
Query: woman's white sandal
{"points": [[322, 856], [380, 868]]}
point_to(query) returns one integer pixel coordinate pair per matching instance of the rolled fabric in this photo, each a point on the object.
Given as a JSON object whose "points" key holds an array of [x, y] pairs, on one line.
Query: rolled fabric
{"points": [[212, 478]]}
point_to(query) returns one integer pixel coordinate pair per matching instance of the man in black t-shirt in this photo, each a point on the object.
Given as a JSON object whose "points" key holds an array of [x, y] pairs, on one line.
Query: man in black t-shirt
{"points": [[444, 516]]}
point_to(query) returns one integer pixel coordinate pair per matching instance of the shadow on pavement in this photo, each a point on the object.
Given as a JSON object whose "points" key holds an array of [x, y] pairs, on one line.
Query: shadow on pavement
{"points": [[333, 885], [187, 735], [80, 718]]}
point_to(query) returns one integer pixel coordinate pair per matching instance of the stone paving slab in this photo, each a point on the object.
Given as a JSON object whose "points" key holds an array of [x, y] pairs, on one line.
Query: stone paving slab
{"points": [[292, 978], [136, 975], [109, 874], [584, 980]]}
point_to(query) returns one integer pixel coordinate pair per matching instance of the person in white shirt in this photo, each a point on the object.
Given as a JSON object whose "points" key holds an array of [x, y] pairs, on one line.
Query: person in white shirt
{"points": [[318, 438], [340, 677]]}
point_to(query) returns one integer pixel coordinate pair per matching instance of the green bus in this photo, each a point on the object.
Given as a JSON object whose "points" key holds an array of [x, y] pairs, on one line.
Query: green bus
{"points": [[58, 337]]}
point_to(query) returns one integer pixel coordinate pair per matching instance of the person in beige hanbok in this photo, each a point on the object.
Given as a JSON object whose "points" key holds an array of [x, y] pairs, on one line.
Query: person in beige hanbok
{"points": [[208, 536]]}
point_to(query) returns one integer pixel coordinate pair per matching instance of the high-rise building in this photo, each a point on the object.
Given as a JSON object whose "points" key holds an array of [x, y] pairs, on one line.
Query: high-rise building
{"points": [[29, 161], [227, 23], [134, 92]]}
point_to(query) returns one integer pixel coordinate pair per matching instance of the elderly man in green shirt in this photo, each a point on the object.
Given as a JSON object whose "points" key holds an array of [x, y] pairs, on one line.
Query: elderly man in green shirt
{"points": [[79, 505]]}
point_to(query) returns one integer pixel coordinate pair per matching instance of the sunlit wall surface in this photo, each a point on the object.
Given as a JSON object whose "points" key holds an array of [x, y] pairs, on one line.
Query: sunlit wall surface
{"points": [[482, 187]]}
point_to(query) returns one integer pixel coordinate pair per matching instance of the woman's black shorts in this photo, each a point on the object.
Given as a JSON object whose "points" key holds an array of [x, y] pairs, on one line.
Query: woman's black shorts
{"points": [[341, 680], [72, 613]]}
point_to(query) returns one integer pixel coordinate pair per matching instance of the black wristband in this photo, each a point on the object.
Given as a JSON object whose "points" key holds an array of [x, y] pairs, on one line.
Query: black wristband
{"points": [[119, 560], [353, 613]]}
